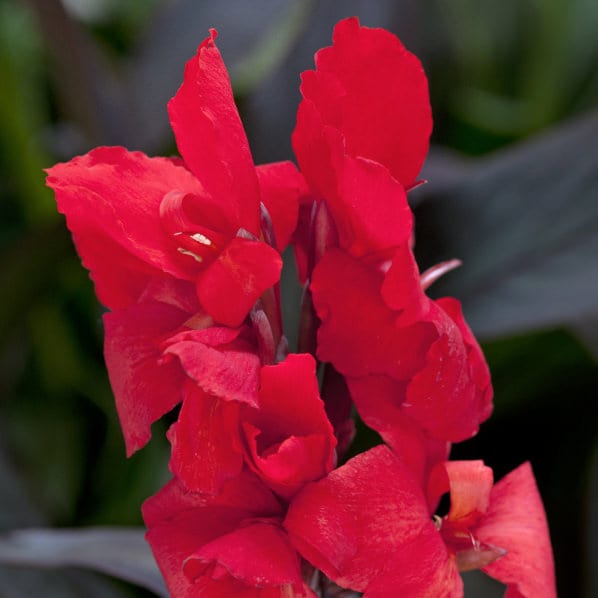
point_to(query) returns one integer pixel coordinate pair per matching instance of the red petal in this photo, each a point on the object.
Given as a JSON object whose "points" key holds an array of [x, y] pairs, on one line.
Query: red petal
{"points": [[205, 442], [218, 362], [290, 439], [210, 135], [180, 523], [318, 148], [422, 567], [358, 332], [515, 521], [370, 209], [469, 484], [402, 290], [479, 371], [281, 185], [377, 399], [257, 555], [369, 87], [144, 386], [111, 199], [441, 397], [230, 286], [351, 523]]}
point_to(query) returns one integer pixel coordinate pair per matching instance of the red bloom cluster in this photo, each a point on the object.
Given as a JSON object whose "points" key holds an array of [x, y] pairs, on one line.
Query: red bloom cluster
{"points": [[186, 255]]}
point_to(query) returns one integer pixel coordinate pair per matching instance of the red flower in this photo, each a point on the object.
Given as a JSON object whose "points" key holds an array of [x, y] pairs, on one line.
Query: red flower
{"points": [[232, 544], [367, 526], [361, 136], [410, 355], [289, 439], [134, 217], [174, 246], [284, 436]]}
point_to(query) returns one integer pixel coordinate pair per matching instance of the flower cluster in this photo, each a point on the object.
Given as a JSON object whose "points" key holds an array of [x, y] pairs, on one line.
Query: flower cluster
{"points": [[186, 255]]}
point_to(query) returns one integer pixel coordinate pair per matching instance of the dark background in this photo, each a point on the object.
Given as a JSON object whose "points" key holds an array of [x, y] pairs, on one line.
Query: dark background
{"points": [[513, 192]]}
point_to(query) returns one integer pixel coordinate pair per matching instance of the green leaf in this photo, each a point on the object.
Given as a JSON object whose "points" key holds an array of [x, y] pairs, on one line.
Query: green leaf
{"points": [[89, 93], [22, 113], [120, 552], [525, 224]]}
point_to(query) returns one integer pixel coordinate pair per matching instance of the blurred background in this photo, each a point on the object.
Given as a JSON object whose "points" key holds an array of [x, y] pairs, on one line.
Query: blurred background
{"points": [[512, 192]]}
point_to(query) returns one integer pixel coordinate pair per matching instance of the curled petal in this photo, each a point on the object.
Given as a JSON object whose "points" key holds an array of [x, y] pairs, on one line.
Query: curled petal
{"points": [[219, 362], [290, 440], [469, 484]]}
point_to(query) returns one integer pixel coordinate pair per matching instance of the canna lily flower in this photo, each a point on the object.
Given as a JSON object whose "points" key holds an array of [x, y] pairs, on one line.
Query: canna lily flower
{"points": [[177, 246], [231, 544], [362, 134], [368, 526], [284, 437], [198, 220], [403, 352]]}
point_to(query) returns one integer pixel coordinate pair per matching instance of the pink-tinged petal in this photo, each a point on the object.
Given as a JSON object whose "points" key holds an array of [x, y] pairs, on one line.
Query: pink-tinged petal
{"points": [[111, 199], [421, 568], [205, 441], [230, 286], [469, 484], [219, 362], [259, 555], [180, 522], [480, 374], [145, 386], [281, 186], [434, 273], [516, 521], [358, 334], [377, 399], [375, 92], [210, 135], [370, 209], [290, 440], [351, 523]]}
